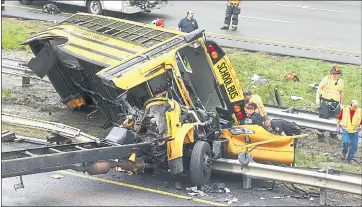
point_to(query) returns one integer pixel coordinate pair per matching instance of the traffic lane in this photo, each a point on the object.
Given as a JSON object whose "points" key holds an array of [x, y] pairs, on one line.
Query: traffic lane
{"points": [[255, 23], [257, 19], [43, 190], [76, 189]]}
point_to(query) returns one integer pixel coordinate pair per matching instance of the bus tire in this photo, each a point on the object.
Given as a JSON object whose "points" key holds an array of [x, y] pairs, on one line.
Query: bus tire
{"points": [[94, 7], [26, 2], [200, 164]]}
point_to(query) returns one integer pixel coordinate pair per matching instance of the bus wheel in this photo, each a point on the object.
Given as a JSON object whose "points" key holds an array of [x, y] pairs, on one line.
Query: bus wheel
{"points": [[200, 164], [94, 7], [26, 2]]}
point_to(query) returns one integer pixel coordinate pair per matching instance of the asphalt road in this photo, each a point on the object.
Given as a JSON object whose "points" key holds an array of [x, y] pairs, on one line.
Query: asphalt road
{"points": [[118, 188], [334, 25]]}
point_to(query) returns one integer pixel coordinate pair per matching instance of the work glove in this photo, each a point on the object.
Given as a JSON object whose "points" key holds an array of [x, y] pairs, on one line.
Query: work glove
{"points": [[338, 130]]}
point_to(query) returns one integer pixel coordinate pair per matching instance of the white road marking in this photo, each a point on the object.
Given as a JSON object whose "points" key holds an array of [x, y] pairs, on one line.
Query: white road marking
{"points": [[311, 8], [273, 20]]}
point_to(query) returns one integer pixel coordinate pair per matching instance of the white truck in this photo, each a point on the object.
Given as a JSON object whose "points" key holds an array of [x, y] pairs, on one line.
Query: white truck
{"points": [[98, 6]]}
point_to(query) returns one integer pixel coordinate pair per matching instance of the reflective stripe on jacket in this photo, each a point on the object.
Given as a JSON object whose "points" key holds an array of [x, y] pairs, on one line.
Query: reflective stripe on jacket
{"points": [[330, 90], [348, 125]]}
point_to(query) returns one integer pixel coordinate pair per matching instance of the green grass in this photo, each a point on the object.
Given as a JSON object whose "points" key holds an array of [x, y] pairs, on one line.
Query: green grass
{"points": [[305, 159], [308, 70], [7, 94], [246, 64], [19, 130], [15, 31]]}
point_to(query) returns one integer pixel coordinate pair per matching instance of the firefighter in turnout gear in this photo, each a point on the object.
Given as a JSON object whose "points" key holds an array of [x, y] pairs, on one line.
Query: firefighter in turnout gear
{"points": [[232, 12], [330, 94], [350, 119]]}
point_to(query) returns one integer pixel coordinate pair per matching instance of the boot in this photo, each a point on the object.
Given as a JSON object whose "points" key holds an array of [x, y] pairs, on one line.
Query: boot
{"points": [[224, 27], [233, 28]]}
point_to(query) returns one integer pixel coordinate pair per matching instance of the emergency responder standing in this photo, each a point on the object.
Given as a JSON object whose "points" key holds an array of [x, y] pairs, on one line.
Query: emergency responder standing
{"points": [[232, 12], [350, 116], [189, 23], [253, 98], [330, 94]]}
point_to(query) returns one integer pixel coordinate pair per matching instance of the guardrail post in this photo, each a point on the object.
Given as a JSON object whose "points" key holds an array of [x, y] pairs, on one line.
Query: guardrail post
{"points": [[322, 196], [25, 81], [246, 182]]}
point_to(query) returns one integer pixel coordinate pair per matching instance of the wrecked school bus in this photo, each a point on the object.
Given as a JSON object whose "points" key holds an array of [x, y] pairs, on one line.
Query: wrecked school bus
{"points": [[154, 85]]}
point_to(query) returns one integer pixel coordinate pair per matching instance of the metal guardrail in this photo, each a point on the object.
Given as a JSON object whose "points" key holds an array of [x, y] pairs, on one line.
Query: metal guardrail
{"points": [[303, 118], [345, 182], [53, 127], [339, 181]]}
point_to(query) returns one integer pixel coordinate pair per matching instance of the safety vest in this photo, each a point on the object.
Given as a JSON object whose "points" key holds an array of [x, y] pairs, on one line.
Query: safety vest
{"points": [[330, 90], [349, 125], [234, 2], [257, 100]]}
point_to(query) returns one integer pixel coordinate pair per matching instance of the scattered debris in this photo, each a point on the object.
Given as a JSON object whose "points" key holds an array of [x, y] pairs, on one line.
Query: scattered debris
{"points": [[311, 199], [192, 191], [325, 154], [257, 80], [262, 198], [313, 86], [290, 76], [51, 9], [178, 186], [277, 197], [215, 188], [296, 98], [231, 199], [57, 176]]}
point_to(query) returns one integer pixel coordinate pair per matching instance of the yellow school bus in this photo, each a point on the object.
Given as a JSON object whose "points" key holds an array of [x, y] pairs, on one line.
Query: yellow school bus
{"points": [[156, 85]]}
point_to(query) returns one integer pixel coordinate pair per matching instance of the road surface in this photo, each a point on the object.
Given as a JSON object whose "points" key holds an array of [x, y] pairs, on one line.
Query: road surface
{"points": [[120, 189], [286, 27]]}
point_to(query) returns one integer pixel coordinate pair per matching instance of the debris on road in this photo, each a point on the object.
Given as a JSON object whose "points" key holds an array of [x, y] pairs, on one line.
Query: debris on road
{"points": [[57, 176], [51, 9], [325, 154], [178, 186], [192, 191], [215, 188], [262, 198], [231, 199]]}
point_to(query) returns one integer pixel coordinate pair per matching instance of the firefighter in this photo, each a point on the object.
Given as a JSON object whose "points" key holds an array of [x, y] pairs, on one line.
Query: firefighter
{"points": [[253, 98], [330, 94], [350, 116], [232, 12]]}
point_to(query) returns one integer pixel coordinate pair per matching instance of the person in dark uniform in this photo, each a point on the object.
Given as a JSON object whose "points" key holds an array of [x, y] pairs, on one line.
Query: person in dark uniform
{"points": [[232, 12], [188, 24], [252, 116], [283, 127]]}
